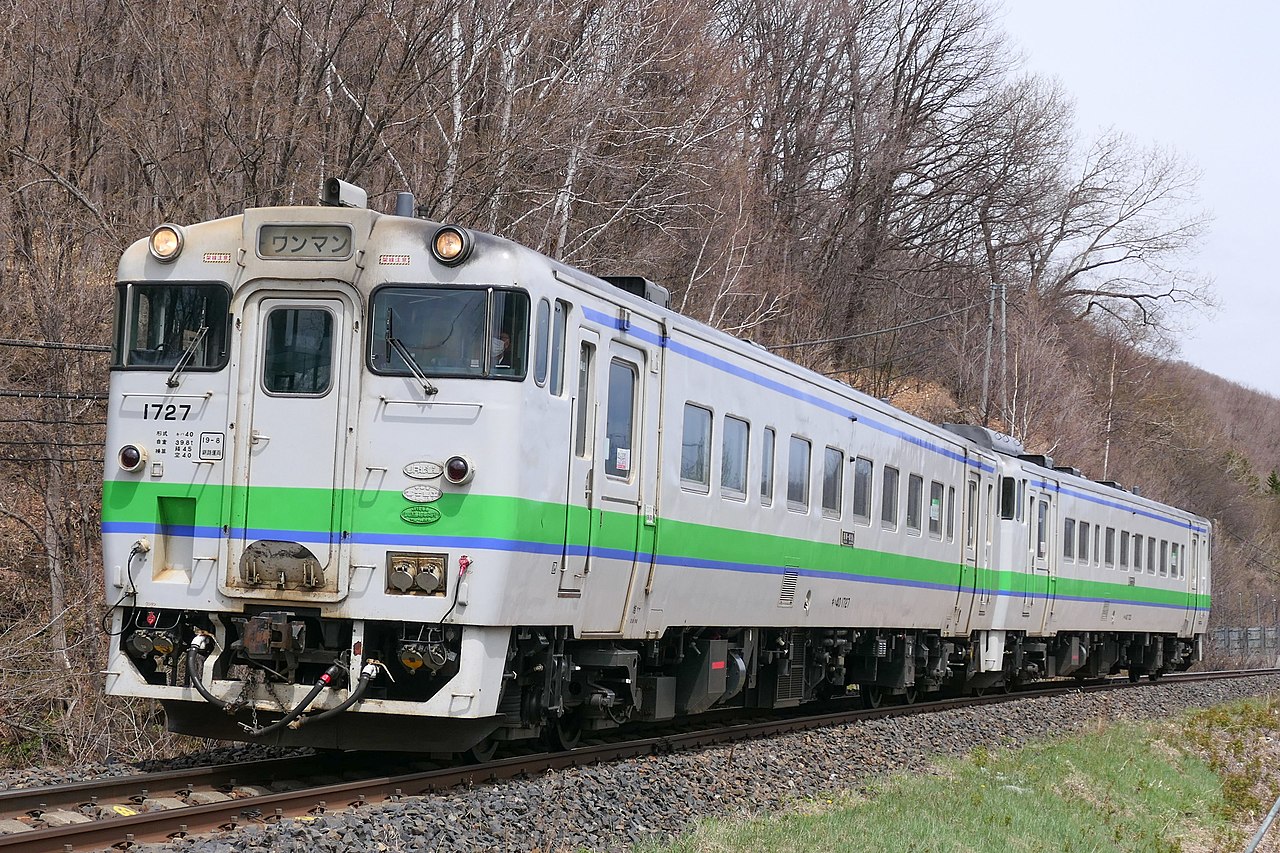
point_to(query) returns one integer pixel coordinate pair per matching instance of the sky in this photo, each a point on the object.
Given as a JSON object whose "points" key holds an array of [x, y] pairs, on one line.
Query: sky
{"points": [[1204, 79]]}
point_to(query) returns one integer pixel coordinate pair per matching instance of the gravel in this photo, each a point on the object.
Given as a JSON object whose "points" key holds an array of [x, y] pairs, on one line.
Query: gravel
{"points": [[611, 807]]}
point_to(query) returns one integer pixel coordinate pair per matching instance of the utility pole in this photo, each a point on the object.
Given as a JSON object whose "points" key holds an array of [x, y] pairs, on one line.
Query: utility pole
{"points": [[986, 361], [1004, 360]]}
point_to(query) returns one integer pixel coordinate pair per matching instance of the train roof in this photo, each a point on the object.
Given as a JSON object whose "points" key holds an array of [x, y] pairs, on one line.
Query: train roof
{"points": [[642, 297]]}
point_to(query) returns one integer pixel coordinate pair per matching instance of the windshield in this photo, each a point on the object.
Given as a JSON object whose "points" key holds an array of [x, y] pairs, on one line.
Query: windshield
{"points": [[163, 320], [450, 331]]}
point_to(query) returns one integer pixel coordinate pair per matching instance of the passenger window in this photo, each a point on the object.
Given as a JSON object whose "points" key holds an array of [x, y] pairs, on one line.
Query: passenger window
{"points": [[889, 498], [586, 401], [935, 509], [1164, 558], [832, 482], [1097, 544], [1083, 549], [695, 449], [951, 513], [798, 474], [1008, 497], [1069, 538], [1042, 529], [1109, 557], [862, 490], [557, 347], [971, 516], [1124, 550], [620, 418], [299, 351], [915, 497], [733, 458], [766, 468], [1151, 555], [1137, 553], [541, 341]]}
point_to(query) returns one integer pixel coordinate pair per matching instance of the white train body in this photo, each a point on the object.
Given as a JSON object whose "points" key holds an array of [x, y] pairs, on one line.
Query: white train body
{"points": [[633, 531]]}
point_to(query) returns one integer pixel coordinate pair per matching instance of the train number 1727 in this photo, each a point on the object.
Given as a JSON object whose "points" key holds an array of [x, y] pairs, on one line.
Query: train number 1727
{"points": [[166, 411]]}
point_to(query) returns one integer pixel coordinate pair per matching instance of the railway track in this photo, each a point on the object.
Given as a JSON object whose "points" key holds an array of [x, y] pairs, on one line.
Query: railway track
{"points": [[121, 811]]}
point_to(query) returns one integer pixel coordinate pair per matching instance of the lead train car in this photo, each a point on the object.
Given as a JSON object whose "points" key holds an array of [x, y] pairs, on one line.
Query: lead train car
{"points": [[375, 482]]}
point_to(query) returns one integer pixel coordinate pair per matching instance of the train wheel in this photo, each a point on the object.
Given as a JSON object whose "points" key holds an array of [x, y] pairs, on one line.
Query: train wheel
{"points": [[910, 695], [481, 753], [1135, 675], [564, 733], [872, 695]]}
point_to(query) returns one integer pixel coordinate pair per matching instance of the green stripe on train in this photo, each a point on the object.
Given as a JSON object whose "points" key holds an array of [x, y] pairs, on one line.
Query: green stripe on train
{"points": [[543, 523]]}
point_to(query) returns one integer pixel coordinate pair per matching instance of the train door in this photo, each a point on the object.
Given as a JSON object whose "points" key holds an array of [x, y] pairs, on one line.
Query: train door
{"points": [[969, 568], [617, 517], [1201, 586], [580, 500], [1190, 565], [1037, 598], [289, 447]]}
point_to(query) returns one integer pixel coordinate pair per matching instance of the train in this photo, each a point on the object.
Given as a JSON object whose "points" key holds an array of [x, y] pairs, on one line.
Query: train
{"points": [[374, 481]]}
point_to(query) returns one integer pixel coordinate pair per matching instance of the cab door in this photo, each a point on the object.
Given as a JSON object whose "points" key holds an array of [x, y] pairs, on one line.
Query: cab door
{"points": [[290, 443], [617, 515]]}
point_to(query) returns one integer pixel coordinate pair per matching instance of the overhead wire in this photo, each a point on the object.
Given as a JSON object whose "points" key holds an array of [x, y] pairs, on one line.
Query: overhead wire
{"points": [[50, 395], [21, 344]]}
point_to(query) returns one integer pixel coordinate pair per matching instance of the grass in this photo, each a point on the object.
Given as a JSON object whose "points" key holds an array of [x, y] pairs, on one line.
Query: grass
{"points": [[1160, 787]]}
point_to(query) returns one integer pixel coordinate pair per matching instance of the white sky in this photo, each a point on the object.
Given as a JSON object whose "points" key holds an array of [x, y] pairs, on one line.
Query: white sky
{"points": [[1202, 78]]}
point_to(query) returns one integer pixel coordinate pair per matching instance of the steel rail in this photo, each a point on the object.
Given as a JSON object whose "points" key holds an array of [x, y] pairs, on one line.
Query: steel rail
{"points": [[269, 808], [19, 800]]}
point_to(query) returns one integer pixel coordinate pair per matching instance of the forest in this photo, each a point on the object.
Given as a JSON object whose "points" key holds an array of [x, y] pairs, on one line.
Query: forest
{"points": [[874, 188]]}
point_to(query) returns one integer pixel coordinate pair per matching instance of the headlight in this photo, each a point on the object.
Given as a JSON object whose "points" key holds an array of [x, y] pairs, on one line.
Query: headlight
{"points": [[166, 243], [451, 245]]}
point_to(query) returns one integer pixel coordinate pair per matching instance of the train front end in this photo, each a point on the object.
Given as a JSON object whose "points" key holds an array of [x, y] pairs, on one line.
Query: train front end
{"points": [[291, 514]]}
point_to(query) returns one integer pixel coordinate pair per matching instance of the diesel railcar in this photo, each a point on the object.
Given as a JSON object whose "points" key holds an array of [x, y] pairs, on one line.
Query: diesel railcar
{"points": [[374, 481]]}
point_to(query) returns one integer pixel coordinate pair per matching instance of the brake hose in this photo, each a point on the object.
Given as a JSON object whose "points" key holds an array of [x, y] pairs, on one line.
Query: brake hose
{"points": [[202, 644], [322, 682], [366, 675]]}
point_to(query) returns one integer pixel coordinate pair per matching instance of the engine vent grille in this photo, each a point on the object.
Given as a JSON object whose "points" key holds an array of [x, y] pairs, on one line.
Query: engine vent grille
{"points": [[787, 597]]}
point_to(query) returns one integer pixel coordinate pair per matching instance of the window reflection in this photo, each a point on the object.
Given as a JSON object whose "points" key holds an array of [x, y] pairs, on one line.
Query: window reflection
{"points": [[451, 331], [164, 320], [299, 351]]}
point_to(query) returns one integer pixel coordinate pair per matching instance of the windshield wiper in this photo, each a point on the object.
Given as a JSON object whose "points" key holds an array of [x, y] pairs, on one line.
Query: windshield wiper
{"points": [[172, 381], [428, 389], [412, 363]]}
